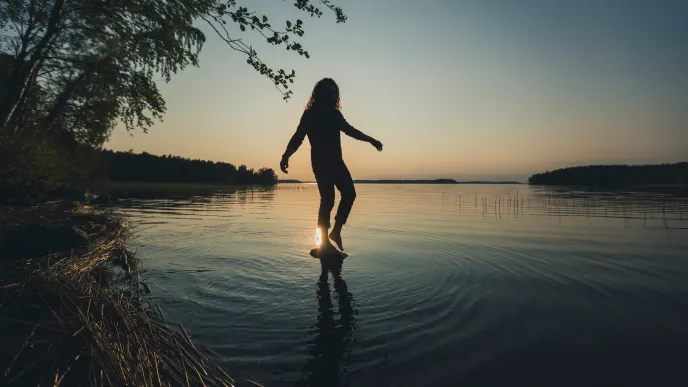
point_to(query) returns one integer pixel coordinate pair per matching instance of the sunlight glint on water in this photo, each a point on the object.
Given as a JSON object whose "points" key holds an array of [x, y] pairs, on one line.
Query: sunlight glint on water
{"points": [[318, 237]]}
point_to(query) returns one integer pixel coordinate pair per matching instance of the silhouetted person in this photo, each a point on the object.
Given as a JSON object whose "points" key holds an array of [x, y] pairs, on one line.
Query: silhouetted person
{"points": [[321, 122]]}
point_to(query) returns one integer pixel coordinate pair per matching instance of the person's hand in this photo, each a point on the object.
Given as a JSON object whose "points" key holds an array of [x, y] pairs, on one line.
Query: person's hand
{"points": [[377, 144], [284, 164]]}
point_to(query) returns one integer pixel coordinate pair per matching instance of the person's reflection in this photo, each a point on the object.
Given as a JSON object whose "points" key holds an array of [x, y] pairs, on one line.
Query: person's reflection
{"points": [[329, 351]]}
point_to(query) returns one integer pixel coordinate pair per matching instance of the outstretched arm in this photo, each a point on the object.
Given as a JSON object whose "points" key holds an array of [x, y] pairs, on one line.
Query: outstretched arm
{"points": [[294, 143], [358, 135]]}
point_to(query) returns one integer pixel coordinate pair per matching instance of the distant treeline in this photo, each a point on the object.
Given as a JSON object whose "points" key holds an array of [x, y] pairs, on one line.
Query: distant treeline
{"points": [[436, 181], [145, 167], [615, 175]]}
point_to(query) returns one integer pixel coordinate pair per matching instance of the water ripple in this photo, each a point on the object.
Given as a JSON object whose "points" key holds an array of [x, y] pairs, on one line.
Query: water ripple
{"points": [[465, 285]]}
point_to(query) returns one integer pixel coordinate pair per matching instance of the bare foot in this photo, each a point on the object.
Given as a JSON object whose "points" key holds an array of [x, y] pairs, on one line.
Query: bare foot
{"points": [[336, 237]]}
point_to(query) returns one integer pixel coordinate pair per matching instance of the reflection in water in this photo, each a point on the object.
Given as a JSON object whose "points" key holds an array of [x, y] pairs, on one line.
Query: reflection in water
{"points": [[652, 209], [329, 352], [200, 205]]}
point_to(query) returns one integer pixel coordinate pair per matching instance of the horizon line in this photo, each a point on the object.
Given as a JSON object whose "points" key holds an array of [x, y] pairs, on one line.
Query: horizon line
{"points": [[439, 181]]}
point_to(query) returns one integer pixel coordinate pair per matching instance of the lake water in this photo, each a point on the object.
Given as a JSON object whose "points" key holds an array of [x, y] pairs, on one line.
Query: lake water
{"points": [[445, 285]]}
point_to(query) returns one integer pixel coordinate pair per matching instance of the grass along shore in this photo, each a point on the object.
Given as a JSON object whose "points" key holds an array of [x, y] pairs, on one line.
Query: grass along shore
{"points": [[77, 317]]}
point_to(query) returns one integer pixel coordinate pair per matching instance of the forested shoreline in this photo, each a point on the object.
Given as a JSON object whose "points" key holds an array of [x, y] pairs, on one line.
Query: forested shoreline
{"points": [[615, 175], [146, 167]]}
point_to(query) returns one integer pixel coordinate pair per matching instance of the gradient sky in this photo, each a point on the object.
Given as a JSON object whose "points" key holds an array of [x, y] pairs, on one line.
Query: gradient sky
{"points": [[482, 89]]}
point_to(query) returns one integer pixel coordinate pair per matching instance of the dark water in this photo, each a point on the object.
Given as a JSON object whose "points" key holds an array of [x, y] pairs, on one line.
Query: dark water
{"points": [[463, 285]]}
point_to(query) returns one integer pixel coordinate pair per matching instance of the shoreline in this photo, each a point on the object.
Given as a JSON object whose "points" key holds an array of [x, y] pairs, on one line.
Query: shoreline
{"points": [[81, 316]]}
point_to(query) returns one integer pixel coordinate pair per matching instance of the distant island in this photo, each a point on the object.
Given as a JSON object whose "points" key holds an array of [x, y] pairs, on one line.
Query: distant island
{"points": [[435, 181], [615, 175]]}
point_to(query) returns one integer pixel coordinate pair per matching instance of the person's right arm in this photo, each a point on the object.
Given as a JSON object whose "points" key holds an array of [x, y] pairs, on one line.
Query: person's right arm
{"points": [[295, 142]]}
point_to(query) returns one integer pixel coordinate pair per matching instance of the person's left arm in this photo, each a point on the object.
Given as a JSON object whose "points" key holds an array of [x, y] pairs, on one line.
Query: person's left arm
{"points": [[350, 131]]}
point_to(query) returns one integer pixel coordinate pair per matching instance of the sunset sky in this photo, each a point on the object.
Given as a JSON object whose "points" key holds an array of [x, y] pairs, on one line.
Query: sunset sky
{"points": [[482, 89]]}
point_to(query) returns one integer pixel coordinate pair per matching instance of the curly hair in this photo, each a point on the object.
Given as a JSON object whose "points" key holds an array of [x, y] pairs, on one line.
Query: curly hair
{"points": [[318, 92]]}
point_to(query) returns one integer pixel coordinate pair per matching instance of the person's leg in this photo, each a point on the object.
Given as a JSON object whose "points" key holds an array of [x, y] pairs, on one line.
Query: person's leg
{"points": [[326, 189], [345, 185]]}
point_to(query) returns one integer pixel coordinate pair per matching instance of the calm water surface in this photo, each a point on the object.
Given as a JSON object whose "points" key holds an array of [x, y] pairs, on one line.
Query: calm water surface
{"points": [[461, 285]]}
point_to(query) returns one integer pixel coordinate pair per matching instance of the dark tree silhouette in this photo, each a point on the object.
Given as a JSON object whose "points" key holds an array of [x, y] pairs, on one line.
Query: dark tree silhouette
{"points": [[145, 167], [615, 175], [71, 70], [122, 46]]}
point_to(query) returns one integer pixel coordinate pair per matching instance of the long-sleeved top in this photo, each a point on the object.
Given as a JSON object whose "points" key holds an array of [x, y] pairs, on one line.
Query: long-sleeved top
{"points": [[322, 128]]}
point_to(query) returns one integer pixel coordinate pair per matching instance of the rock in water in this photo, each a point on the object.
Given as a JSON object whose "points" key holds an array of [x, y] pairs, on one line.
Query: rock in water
{"points": [[316, 253]]}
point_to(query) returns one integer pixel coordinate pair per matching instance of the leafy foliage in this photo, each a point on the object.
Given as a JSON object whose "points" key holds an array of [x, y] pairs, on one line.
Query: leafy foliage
{"points": [[249, 19], [105, 50], [31, 165], [75, 68], [69, 48]]}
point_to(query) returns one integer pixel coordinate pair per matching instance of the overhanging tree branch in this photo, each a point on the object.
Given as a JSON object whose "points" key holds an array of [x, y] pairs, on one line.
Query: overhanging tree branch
{"points": [[245, 18], [150, 39]]}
